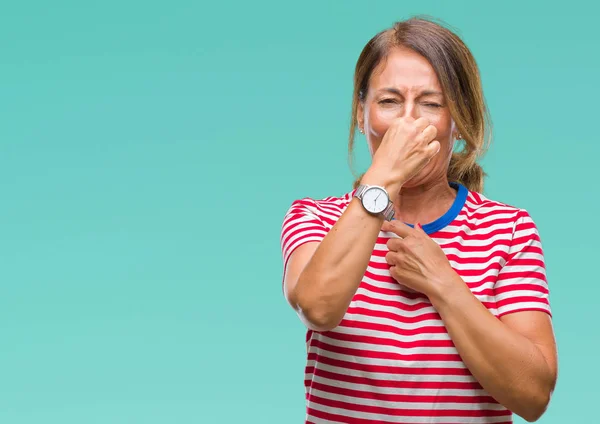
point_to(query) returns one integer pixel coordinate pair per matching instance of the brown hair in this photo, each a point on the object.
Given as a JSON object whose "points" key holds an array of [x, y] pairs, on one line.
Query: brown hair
{"points": [[459, 77]]}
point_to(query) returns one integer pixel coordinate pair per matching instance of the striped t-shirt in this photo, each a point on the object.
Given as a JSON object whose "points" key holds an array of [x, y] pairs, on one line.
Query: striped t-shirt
{"points": [[391, 359]]}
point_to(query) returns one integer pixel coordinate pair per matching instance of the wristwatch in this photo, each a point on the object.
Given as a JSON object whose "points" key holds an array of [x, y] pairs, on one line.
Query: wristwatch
{"points": [[375, 200]]}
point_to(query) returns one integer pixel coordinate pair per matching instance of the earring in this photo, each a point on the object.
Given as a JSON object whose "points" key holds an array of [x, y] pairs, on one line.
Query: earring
{"points": [[361, 130], [458, 136]]}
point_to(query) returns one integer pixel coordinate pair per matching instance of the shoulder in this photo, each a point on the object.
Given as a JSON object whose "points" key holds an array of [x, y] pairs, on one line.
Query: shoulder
{"points": [[478, 205], [327, 208], [309, 219], [494, 216]]}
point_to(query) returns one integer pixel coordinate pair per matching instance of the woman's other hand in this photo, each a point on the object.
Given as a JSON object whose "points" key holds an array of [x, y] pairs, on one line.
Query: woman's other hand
{"points": [[416, 261]]}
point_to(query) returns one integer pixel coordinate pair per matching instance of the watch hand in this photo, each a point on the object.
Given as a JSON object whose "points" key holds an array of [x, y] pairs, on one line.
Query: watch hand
{"points": [[377, 198]]}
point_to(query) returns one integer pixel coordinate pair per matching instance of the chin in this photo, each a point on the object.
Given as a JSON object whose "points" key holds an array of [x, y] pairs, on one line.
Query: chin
{"points": [[427, 175], [418, 179]]}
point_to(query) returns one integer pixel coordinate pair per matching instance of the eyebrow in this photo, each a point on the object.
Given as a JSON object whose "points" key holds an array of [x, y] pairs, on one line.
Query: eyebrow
{"points": [[422, 94]]}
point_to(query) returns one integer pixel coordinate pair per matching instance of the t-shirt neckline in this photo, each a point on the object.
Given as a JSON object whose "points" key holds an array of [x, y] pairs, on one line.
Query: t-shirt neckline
{"points": [[451, 214]]}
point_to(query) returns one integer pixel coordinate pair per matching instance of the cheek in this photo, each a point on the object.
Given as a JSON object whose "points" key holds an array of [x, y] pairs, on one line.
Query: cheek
{"points": [[444, 136], [444, 128], [380, 119], [377, 122]]}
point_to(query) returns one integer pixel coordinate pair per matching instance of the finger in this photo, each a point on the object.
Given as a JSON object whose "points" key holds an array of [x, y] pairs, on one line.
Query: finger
{"points": [[401, 122], [395, 272], [429, 133], [394, 244], [432, 149], [421, 124], [390, 258], [419, 228], [397, 227]]}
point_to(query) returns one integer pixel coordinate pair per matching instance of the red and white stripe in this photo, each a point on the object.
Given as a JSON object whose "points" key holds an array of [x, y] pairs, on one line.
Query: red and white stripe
{"points": [[391, 359]]}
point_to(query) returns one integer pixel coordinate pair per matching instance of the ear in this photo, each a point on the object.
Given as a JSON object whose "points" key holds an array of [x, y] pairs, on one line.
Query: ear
{"points": [[455, 132], [360, 116], [455, 137]]}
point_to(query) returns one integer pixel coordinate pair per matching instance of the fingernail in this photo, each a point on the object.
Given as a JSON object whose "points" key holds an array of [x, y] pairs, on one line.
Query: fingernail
{"points": [[419, 225]]}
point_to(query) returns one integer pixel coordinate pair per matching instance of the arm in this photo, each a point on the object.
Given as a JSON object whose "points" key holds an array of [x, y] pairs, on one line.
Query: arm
{"points": [[322, 277], [514, 358]]}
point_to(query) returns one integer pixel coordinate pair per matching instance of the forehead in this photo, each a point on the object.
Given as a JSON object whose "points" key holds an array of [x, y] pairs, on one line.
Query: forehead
{"points": [[404, 69]]}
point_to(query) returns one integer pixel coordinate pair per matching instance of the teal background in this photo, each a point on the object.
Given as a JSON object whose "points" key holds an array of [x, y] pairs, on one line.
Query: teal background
{"points": [[148, 153]]}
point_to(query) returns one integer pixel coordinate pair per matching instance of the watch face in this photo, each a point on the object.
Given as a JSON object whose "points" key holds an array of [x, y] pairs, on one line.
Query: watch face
{"points": [[375, 200]]}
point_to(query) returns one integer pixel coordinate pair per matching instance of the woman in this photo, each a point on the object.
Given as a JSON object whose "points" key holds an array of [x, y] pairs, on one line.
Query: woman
{"points": [[425, 301]]}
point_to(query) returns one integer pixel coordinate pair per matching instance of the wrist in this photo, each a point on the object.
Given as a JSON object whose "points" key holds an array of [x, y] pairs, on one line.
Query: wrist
{"points": [[382, 180], [448, 292]]}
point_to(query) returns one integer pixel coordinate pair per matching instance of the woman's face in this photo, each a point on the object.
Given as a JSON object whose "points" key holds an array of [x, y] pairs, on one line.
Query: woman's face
{"points": [[406, 85]]}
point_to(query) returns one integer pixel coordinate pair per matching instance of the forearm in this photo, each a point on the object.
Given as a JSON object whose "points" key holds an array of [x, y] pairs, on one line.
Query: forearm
{"points": [[510, 367], [331, 277]]}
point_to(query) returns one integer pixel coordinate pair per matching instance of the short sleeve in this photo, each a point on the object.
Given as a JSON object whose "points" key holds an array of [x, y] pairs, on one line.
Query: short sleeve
{"points": [[301, 225], [522, 284]]}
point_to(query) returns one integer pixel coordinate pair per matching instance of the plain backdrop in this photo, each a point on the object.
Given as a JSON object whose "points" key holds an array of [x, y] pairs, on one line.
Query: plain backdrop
{"points": [[148, 153]]}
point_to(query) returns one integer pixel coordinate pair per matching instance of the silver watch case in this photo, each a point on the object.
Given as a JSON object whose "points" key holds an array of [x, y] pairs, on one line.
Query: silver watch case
{"points": [[388, 212]]}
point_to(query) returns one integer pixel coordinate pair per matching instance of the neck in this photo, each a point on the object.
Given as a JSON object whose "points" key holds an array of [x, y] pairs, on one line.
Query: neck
{"points": [[424, 203]]}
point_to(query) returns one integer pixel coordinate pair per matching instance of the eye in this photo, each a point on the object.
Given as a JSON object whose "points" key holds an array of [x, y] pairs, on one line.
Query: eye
{"points": [[436, 105], [388, 101]]}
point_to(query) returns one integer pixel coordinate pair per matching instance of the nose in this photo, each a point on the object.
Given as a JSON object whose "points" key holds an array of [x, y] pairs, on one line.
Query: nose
{"points": [[410, 110]]}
